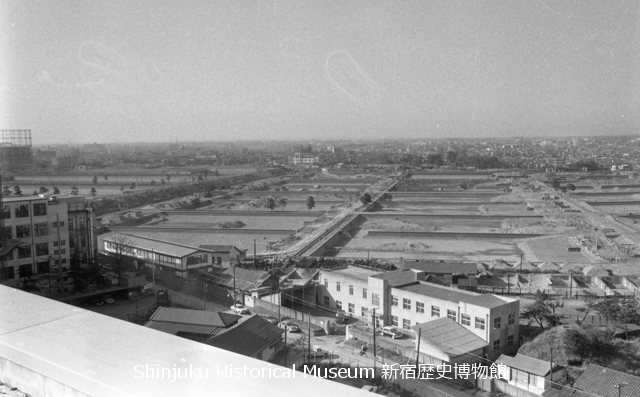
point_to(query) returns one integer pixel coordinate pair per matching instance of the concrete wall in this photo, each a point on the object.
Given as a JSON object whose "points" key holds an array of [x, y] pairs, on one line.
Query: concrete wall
{"points": [[32, 382]]}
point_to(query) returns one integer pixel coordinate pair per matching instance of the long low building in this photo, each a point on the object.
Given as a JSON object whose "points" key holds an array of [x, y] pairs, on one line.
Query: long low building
{"points": [[401, 298], [182, 260]]}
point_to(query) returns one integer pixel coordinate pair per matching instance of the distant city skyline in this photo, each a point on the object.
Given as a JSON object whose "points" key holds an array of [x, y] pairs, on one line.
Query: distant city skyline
{"points": [[151, 71]]}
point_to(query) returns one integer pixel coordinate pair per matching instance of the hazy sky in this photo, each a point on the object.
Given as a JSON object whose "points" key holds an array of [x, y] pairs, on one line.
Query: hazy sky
{"points": [[133, 70]]}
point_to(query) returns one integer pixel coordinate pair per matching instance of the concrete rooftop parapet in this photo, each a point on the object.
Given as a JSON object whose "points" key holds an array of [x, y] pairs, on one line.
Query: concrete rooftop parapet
{"points": [[48, 348]]}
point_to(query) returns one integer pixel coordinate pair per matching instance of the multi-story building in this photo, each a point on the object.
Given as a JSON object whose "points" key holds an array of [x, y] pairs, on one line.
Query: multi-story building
{"points": [[304, 161], [41, 258], [81, 225], [402, 298]]}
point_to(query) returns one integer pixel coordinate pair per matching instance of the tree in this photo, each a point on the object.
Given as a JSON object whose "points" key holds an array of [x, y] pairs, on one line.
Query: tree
{"points": [[17, 190], [163, 182], [270, 203], [121, 247], [122, 188], [43, 190], [168, 177], [310, 203], [366, 198], [620, 313], [35, 193], [543, 310], [93, 191], [56, 190], [106, 177], [132, 186], [282, 202], [74, 190], [153, 182], [95, 180], [6, 191]]}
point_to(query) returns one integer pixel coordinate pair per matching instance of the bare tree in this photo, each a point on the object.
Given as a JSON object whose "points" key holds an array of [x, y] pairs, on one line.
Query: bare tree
{"points": [[121, 247]]}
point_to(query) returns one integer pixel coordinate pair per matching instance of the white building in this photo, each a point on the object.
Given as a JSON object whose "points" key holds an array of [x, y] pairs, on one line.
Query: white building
{"points": [[36, 227], [303, 161]]}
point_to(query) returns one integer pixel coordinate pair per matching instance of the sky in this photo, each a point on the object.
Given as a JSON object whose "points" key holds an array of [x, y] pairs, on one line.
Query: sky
{"points": [[160, 71]]}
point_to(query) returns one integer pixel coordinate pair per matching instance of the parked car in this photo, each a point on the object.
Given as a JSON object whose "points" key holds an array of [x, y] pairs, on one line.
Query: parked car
{"points": [[289, 326], [109, 300], [97, 302], [271, 319], [239, 308], [391, 331], [318, 354]]}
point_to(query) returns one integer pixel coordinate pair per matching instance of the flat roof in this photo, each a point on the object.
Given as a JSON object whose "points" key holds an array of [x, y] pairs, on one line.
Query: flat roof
{"points": [[398, 277], [353, 272], [102, 356], [454, 294]]}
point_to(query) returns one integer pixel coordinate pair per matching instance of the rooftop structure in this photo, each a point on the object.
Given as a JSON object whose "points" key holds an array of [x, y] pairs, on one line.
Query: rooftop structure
{"points": [[86, 353]]}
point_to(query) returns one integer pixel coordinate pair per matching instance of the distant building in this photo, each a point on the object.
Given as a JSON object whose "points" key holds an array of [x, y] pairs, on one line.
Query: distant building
{"points": [[299, 160], [606, 382]]}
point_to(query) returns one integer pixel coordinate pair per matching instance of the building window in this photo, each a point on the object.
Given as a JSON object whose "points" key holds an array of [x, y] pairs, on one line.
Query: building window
{"points": [[5, 233], [364, 293], [406, 324], [394, 300], [8, 273], [6, 212], [59, 224], [326, 283], [510, 340], [496, 344], [24, 251], [352, 308], [350, 289], [42, 249], [480, 323], [339, 305], [406, 303], [465, 319], [327, 301], [219, 260], [452, 314], [394, 320], [497, 323], [435, 311], [22, 211], [375, 300], [39, 209], [23, 231], [43, 267], [512, 319], [364, 311], [338, 286], [419, 307], [41, 229], [25, 270]]}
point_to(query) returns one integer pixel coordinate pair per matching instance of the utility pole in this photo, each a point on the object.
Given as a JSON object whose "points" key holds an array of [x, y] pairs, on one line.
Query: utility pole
{"points": [[234, 286], [551, 364], [204, 296], [374, 340], [508, 283], [521, 259], [570, 283], [255, 258], [619, 386], [309, 341], [418, 349], [285, 345]]}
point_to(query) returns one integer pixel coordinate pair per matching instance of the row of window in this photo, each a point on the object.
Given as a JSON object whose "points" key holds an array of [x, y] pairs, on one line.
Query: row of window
{"points": [[351, 288], [510, 342], [22, 210]]}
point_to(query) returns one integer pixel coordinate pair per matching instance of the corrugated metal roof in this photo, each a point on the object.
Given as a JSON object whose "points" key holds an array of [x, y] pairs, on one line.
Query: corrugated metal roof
{"points": [[194, 317], [249, 337], [176, 328], [525, 363], [602, 381], [454, 294], [398, 277], [449, 336], [158, 246]]}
